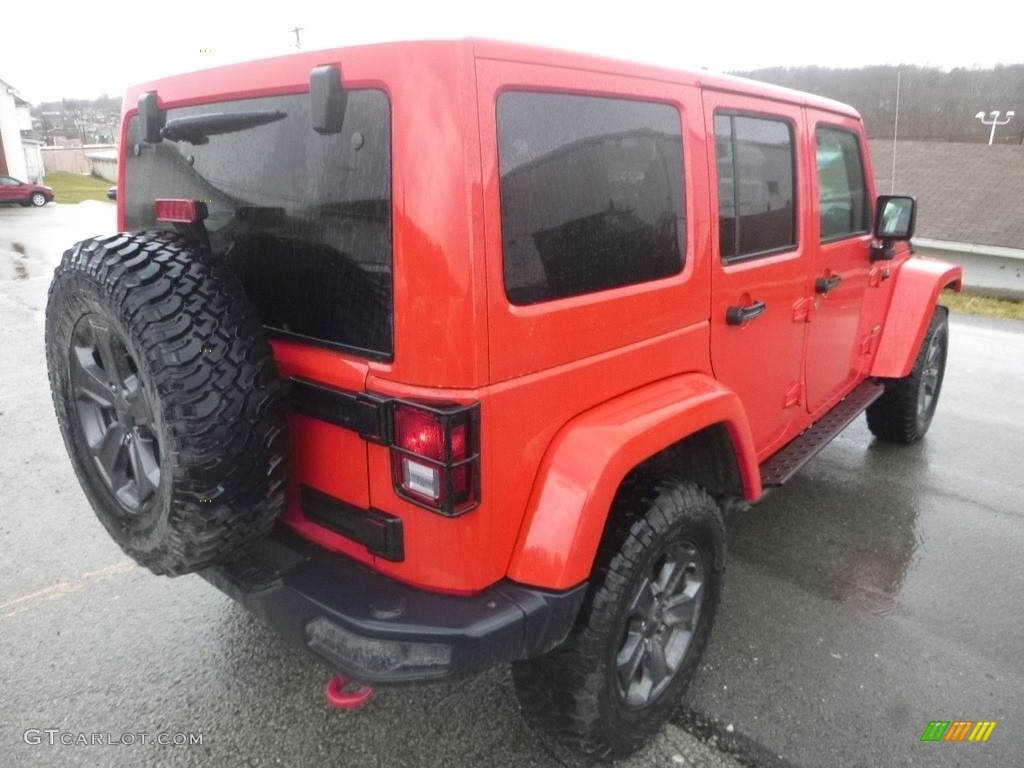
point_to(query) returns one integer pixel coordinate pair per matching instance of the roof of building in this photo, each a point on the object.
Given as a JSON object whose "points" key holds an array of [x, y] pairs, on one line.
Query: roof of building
{"points": [[966, 193]]}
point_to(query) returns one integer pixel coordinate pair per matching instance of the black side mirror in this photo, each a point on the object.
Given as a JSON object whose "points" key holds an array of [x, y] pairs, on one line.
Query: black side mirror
{"points": [[895, 217], [327, 99]]}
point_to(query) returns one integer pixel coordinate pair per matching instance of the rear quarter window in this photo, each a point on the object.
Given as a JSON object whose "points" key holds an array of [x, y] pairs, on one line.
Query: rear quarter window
{"points": [[591, 193]]}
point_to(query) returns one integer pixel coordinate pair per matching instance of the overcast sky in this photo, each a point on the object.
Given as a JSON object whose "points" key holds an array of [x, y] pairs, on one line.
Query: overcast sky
{"points": [[56, 48]]}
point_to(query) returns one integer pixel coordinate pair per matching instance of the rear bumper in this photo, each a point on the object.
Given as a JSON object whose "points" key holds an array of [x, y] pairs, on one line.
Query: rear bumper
{"points": [[377, 630]]}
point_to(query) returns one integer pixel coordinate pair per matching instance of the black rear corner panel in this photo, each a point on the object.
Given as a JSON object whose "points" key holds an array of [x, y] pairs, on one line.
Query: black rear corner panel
{"points": [[377, 630]]}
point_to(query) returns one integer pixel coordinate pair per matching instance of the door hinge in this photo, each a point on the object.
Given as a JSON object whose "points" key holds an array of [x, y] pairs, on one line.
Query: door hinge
{"points": [[802, 310], [877, 276], [870, 342], [795, 394]]}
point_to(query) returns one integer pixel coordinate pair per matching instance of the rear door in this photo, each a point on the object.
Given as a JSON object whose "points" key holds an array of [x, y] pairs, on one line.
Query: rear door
{"points": [[760, 266], [839, 336], [589, 237]]}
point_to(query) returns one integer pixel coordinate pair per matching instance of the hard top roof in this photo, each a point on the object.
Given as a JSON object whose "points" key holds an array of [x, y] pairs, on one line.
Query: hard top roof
{"points": [[280, 74], [496, 49]]}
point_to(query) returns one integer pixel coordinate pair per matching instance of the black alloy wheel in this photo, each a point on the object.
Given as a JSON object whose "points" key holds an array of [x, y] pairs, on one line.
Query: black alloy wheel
{"points": [[932, 369], [647, 617], [115, 414], [661, 620]]}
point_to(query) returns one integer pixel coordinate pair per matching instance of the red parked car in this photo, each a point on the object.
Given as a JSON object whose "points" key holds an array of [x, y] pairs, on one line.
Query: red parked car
{"points": [[14, 191], [439, 356]]}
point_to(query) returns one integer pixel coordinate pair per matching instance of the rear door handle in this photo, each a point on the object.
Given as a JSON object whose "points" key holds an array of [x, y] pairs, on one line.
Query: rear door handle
{"points": [[826, 284], [740, 315]]}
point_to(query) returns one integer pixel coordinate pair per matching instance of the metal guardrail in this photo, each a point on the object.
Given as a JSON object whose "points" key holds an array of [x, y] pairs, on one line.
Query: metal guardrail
{"points": [[988, 270]]}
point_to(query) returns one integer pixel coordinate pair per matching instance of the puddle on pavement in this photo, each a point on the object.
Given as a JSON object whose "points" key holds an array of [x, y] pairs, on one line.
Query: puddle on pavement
{"points": [[838, 532], [20, 268], [18, 261]]}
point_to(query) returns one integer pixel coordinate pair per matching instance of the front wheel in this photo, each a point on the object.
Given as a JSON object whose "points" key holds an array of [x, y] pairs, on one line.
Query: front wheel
{"points": [[905, 410], [38, 199], [647, 617]]}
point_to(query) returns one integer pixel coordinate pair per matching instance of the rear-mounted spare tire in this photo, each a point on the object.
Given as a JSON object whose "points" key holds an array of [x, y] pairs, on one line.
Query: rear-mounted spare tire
{"points": [[168, 398]]}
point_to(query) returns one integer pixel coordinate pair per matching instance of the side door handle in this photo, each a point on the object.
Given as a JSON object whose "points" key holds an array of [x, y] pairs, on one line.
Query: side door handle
{"points": [[740, 315], [826, 284]]}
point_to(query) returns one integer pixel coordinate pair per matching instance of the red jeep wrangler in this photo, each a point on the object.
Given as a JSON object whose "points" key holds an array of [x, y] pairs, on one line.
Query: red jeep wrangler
{"points": [[444, 355]]}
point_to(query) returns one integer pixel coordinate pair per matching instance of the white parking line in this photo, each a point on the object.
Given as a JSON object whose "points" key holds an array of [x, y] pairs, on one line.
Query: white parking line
{"points": [[62, 588]]}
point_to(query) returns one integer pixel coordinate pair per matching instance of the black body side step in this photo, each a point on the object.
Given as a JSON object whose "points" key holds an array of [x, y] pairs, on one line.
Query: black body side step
{"points": [[787, 462]]}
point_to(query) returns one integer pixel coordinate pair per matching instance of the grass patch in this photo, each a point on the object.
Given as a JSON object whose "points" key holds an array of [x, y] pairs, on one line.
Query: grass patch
{"points": [[74, 187], [970, 304]]}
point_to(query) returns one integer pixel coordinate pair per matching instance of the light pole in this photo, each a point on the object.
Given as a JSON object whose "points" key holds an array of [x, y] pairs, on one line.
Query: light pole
{"points": [[994, 122]]}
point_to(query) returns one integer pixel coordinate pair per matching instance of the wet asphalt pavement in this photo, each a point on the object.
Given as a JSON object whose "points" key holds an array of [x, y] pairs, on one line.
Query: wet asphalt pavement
{"points": [[881, 589]]}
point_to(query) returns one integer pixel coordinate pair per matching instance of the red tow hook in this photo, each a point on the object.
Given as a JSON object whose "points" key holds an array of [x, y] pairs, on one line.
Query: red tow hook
{"points": [[343, 694]]}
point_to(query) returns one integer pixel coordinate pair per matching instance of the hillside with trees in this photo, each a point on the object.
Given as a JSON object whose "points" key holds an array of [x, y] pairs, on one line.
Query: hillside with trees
{"points": [[934, 105]]}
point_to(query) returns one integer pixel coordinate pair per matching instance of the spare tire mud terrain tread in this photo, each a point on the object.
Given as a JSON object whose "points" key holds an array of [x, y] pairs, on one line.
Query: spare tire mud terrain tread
{"points": [[208, 399]]}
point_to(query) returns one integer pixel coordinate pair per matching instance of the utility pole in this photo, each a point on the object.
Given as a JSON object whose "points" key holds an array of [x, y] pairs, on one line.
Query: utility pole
{"points": [[895, 132], [994, 122], [298, 42]]}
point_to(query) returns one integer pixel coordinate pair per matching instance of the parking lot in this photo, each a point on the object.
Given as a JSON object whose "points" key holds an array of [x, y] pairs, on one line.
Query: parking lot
{"points": [[879, 591]]}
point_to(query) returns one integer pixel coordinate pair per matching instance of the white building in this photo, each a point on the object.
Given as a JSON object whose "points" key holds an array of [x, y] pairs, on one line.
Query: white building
{"points": [[19, 158]]}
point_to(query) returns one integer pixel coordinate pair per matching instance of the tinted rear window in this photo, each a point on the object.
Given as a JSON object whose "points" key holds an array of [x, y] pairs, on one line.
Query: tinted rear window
{"points": [[591, 193], [303, 218]]}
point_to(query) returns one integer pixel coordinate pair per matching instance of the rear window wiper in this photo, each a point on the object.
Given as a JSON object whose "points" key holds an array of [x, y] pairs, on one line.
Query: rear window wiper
{"points": [[198, 129]]}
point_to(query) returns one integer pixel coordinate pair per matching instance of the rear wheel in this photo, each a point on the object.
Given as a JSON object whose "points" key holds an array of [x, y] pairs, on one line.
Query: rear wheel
{"points": [[168, 399], [905, 410], [647, 617]]}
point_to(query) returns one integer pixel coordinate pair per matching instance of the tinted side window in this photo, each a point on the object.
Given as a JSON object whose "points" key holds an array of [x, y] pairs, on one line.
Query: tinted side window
{"points": [[842, 193], [591, 193], [756, 186]]}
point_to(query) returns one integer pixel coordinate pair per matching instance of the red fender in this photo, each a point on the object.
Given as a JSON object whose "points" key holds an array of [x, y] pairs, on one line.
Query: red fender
{"points": [[590, 456], [918, 284]]}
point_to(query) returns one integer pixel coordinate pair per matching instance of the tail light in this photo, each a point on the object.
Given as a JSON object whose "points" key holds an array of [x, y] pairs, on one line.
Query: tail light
{"points": [[435, 457], [179, 211]]}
